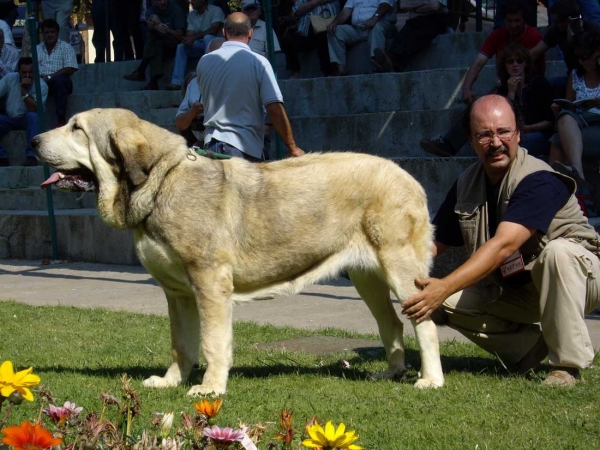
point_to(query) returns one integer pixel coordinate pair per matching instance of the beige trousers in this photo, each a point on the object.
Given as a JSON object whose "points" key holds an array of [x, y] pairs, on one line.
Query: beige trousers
{"points": [[508, 322]]}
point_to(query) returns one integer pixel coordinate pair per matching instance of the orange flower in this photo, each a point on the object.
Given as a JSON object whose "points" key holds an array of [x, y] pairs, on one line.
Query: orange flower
{"points": [[208, 409], [29, 437], [287, 432]]}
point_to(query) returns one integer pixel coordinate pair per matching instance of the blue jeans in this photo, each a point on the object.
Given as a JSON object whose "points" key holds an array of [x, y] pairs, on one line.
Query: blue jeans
{"points": [[590, 9], [227, 149], [196, 50], [28, 122]]}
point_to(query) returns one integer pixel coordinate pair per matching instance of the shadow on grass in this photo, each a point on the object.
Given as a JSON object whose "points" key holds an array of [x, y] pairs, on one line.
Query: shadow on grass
{"points": [[268, 365]]}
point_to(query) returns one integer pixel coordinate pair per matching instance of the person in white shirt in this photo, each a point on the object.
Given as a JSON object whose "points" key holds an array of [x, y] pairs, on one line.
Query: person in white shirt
{"points": [[258, 43], [370, 20], [9, 56], [21, 107]]}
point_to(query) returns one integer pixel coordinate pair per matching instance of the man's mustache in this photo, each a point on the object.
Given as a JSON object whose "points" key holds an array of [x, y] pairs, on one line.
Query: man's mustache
{"points": [[495, 150]]}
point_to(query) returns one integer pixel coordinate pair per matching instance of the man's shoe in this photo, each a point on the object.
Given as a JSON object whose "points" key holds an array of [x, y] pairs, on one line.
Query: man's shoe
{"points": [[562, 377], [135, 76], [30, 161], [382, 61], [4, 162], [438, 147], [173, 87], [532, 358], [151, 86]]}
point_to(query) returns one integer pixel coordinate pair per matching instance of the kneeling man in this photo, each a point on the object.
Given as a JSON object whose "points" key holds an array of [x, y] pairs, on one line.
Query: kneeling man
{"points": [[534, 270]]}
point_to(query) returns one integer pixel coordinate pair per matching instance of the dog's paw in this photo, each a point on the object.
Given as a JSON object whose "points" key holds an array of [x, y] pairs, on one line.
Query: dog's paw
{"points": [[424, 383], [201, 389], [159, 382]]}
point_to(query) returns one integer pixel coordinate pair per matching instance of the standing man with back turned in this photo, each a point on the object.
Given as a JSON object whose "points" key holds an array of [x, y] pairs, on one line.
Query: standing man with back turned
{"points": [[237, 85]]}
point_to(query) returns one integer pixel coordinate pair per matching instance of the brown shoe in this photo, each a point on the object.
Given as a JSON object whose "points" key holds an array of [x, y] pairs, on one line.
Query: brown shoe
{"points": [[563, 377], [30, 161], [173, 87], [135, 76], [151, 86]]}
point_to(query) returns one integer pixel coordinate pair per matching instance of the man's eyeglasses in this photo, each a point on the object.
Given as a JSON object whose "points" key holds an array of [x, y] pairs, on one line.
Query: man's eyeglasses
{"points": [[503, 135], [513, 61]]}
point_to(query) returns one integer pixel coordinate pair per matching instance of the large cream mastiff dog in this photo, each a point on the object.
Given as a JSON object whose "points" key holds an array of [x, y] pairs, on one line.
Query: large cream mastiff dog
{"points": [[212, 232]]}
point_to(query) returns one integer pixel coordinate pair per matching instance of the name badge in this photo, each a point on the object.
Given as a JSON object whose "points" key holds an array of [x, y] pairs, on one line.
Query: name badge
{"points": [[513, 264]]}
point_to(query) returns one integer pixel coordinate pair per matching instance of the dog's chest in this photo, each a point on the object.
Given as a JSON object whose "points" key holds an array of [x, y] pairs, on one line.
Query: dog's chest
{"points": [[162, 263]]}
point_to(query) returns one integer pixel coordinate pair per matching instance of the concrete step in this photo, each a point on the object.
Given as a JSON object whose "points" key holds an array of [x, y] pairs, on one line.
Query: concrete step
{"points": [[81, 236], [34, 198], [20, 177], [426, 90]]}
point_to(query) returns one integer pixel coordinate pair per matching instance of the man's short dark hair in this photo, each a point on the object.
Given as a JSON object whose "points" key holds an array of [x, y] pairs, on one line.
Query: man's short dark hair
{"points": [[50, 24], [563, 9], [514, 7], [24, 61], [466, 120], [237, 29]]}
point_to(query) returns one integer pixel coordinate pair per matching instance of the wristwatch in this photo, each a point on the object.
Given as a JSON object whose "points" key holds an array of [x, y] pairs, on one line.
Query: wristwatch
{"points": [[49, 77], [376, 15], [24, 96]]}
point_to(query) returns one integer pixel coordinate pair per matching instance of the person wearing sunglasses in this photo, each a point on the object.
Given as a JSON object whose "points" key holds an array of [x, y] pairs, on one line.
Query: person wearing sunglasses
{"points": [[579, 127], [531, 94]]}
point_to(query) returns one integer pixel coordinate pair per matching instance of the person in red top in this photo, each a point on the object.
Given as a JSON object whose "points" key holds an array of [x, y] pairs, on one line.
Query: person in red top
{"points": [[514, 31]]}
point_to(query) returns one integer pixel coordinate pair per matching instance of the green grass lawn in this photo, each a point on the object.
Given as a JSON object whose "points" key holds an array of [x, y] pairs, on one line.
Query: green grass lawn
{"points": [[80, 354]]}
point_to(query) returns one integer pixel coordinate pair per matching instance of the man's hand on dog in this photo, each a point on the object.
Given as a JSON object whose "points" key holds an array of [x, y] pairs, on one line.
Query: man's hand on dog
{"points": [[294, 150], [420, 306]]}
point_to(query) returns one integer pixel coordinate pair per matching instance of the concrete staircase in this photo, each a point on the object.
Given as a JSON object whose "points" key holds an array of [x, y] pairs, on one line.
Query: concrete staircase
{"points": [[382, 114]]}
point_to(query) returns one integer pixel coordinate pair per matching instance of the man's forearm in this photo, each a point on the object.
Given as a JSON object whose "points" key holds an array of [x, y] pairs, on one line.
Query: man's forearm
{"points": [[182, 121], [281, 123], [471, 76]]}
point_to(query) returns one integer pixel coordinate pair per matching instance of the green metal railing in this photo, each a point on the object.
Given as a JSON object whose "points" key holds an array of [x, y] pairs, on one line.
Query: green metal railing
{"points": [[32, 28]]}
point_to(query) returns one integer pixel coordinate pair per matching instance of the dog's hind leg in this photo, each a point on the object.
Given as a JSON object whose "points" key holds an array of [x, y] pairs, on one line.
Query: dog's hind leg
{"points": [[213, 289], [376, 294], [185, 341], [400, 277]]}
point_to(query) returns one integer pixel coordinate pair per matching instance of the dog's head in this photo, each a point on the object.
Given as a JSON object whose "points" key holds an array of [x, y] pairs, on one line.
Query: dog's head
{"points": [[115, 153]]}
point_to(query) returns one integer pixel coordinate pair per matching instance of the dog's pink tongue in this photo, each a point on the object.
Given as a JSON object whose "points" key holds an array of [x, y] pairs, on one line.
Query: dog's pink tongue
{"points": [[50, 181]]}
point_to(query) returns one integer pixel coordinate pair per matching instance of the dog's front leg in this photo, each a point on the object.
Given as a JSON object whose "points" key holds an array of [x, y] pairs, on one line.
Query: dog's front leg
{"points": [[185, 340], [214, 289]]}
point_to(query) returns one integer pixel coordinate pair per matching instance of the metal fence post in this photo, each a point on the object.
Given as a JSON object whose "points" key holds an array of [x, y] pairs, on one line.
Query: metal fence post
{"points": [[32, 28]]}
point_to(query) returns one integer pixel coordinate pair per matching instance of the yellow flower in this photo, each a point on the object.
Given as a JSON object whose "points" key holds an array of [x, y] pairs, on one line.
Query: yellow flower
{"points": [[330, 438], [19, 382]]}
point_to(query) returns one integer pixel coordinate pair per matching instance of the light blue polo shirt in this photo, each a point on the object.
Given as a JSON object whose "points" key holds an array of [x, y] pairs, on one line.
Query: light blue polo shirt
{"points": [[236, 85]]}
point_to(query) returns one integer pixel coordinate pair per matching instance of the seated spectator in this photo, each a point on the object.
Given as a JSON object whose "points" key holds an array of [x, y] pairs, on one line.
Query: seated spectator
{"points": [[258, 43], [165, 23], [566, 22], [529, 12], [427, 20], [568, 145], [57, 62], [9, 56], [60, 11], [21, 107], [370, 20], [590, 9], [8, 37], [190, 115], [302, 38], [204, 23], [514, 31], [532, 96]]}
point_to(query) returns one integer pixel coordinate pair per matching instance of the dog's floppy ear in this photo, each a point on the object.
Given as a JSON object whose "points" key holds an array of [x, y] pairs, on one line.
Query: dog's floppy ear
{"points": [[132, 147]]}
